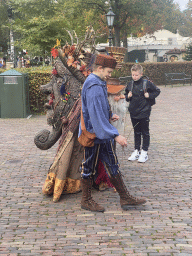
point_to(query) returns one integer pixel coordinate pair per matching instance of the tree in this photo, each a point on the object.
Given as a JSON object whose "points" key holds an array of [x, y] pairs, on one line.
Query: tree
{"points": [[185, 27], [161, 14], [4, 26], [40, 22], [172, 16], [125, 10], [188, 56], [136, 17], [36, 22]]}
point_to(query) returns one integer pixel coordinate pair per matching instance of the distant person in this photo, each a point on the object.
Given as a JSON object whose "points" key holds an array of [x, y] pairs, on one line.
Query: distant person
{"points": [[141, 94]]}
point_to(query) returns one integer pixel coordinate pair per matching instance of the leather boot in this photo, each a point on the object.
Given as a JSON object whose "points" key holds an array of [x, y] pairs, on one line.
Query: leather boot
{"points": [[87, 201], [125, 198]]}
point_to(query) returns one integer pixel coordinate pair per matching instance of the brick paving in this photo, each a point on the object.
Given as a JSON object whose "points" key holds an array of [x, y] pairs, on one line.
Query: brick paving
{"points": [[31, 224]]}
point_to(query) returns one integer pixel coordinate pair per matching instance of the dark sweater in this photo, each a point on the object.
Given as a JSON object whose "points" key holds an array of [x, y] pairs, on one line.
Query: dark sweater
{"points": [[140, 106]]}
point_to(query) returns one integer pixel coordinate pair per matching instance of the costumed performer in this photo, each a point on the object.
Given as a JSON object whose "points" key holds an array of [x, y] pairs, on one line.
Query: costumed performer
{"points": [[97, 135]]}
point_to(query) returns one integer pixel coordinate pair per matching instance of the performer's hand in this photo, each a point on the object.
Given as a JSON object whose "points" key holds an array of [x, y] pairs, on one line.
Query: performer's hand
{"points": [[121, 140], [130, 95], [146, 95], [117, 98], [122, 96], [114, 118]]}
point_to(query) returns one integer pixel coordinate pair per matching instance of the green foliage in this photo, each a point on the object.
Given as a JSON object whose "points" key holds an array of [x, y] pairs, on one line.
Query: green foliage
{"points": [[4, 25], [156, 71], [37, 76], [164, 14], [188, 56], [41, 22], [36, 97], [116, 73], [38, 23], [185, 27], [125, 12], [41, 69], [42, 75]]}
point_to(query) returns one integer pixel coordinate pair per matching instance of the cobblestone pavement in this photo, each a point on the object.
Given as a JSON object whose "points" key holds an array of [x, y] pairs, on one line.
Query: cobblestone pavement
{"points": [[31, 224]]}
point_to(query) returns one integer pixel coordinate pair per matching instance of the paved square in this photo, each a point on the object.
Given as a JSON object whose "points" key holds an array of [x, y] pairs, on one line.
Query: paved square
{"points": [[31, 224]]}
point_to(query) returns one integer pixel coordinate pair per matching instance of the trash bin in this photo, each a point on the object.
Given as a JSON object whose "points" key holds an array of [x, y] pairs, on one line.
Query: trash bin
{"points": [[14, 95]]}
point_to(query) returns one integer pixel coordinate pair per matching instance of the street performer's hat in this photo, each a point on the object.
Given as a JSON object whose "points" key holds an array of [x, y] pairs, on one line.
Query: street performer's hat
{"points": [[105, 61]]}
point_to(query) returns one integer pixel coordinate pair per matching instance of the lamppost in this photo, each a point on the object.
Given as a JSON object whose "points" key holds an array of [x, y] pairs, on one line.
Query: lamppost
{"points": [[110, 19], [10, 17], [147, 55], [9, 54], [165, 59]]}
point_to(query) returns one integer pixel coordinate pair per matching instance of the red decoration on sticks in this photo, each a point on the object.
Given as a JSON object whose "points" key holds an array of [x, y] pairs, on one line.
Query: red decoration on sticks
{"points": [[54, 71], [54, 52]]}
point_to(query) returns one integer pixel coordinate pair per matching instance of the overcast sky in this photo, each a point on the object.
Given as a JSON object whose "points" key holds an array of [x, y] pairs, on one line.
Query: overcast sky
{"points": [[182, 4]]}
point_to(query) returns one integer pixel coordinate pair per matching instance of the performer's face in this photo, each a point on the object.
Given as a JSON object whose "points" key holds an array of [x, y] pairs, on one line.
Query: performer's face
{"points": [[136, 75], [105, 73]]}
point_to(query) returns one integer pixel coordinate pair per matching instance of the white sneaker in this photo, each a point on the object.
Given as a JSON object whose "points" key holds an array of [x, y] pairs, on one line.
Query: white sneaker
{"points": [[143, 156], [134, 156]]}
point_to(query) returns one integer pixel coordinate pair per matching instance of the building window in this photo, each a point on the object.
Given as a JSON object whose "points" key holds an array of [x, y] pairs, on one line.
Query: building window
{"points": [[173, 58], [170, 41]]}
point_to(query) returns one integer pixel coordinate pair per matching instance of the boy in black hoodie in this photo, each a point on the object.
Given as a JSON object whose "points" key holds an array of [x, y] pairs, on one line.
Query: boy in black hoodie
{"points": [[141, 94]]}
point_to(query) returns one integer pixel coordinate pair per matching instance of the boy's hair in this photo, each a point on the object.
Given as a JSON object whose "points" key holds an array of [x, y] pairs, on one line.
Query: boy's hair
{"points": [[137, 67]]}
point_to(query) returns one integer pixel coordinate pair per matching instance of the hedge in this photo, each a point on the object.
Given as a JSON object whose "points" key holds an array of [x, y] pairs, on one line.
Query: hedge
{"points": [[42, 75], [156, 71], [36, 97]]}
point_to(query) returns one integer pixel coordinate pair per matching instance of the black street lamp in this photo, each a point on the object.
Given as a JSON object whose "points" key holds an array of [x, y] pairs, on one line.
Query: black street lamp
{"points": [[110, 19], [12, 48], [9, 53]]}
